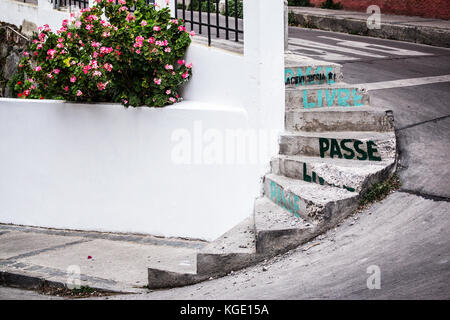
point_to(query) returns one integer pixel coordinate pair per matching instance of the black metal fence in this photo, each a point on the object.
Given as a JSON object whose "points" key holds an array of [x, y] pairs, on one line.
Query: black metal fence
{"points": [[64, 3], [198, 14], [197, 11]]}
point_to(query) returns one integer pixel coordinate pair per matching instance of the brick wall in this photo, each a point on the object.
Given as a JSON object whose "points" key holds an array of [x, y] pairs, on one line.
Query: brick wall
{"points": [[422, 8]]}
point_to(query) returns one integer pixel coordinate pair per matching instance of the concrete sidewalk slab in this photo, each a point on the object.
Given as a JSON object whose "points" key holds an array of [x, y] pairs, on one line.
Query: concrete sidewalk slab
{"points": [[434, 32], [31, 257]]}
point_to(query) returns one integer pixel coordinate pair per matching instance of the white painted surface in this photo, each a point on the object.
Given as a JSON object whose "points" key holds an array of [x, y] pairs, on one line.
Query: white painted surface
{"points": [[16, 12], [405, 82], [104, 167]]}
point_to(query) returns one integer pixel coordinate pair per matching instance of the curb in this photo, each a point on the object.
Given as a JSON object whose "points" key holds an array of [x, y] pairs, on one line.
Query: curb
{"points": [[417, 34], [22, 280]]}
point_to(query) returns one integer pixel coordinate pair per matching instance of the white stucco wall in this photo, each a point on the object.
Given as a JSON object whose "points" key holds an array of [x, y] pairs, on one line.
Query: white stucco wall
{"points": [[16, 12], [104, 167]]}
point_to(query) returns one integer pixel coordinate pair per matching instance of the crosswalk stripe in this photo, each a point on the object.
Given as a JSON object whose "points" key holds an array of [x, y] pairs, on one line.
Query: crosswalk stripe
{"points": [[405, 82]]}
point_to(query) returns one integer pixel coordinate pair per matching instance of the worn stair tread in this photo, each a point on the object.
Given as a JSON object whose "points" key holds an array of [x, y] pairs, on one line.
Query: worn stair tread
{"points": [[311, 191], [270, 217], [360, 135], [367, 166], [239, 239], [364, 108], [336, 85], [341, 173]]}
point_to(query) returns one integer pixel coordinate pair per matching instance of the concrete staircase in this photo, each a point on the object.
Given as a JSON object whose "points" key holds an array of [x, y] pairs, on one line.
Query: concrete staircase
{"points": [[335, 147]]}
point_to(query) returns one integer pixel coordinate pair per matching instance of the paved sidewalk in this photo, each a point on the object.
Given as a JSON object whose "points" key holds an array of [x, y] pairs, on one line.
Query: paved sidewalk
{"points": [[429, 31], [33, 257]]}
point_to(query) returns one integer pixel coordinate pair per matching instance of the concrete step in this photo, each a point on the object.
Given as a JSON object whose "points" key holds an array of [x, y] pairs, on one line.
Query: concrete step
{"points": [[277, 230], [323, 205], [320, 96], [234, 250], [350, 145], [347, 174], [339, 119], [303, 71]]}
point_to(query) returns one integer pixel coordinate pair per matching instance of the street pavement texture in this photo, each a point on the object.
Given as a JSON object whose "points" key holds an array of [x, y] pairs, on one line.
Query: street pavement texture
{"points": [[406, 235]]}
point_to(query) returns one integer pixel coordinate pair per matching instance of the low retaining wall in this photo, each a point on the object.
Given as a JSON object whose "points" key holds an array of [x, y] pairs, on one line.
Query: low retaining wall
{"points": [[107, 168], [439, 9], [418, 34]]}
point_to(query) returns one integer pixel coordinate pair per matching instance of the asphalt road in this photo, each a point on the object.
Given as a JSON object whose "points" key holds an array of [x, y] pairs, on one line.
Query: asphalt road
{"points": [[406, 236]]}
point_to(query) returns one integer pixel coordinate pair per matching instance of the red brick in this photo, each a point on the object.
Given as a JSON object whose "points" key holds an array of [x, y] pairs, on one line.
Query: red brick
{"points": [[422, 8]]}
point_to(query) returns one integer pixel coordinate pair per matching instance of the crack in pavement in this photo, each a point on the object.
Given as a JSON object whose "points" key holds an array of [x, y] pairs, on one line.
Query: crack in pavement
{"points": [[425, 195], [36, 252], [422, 122]]}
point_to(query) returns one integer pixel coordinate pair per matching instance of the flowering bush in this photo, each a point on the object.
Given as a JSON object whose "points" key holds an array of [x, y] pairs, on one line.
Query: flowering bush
{"points": [[131, 57]]}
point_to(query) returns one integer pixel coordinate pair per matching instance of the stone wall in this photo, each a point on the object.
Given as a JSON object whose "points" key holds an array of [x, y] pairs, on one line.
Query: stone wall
{"points": [[11, 49]]}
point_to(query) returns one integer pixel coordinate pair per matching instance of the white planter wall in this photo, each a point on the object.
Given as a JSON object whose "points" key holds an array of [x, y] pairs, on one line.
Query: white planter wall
{"points": [[107, 168], [104, 167]]}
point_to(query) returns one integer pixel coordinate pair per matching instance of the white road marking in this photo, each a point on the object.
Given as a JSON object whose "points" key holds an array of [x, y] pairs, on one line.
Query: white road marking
{"points": [[322, 46], [329, 56], [405, 82], [376, 47]]}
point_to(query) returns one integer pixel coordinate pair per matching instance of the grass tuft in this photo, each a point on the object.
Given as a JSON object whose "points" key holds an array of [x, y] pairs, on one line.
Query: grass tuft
{"points": [[380, 190]]}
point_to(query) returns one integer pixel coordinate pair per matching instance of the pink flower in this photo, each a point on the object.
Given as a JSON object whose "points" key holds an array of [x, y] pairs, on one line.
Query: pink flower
{"points": [[185, 75], [97, 73], [168, 91], [73, 79], [56, 71], [66, 88], [138, 51], [38, 68], [80, 93], [168, 67], [167, 49], [60, 45], [151, 40], [157, 81], [51, 53], [78, 24], [26, 54], [101, 86], [143, 23], [192, 33], [180, 62], [189, 65], [108, 67], [156, 28], [173, 100], [130, 17], [122, 2], [95, 44], [181, 28]]}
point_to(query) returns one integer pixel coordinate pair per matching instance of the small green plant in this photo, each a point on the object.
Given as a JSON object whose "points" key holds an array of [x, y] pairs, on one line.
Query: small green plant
{"points": [[108, 54], [195, 4], [82, 291], [380, 190], [329, 4], [299, 3], [231, 9], [292, 19]]}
